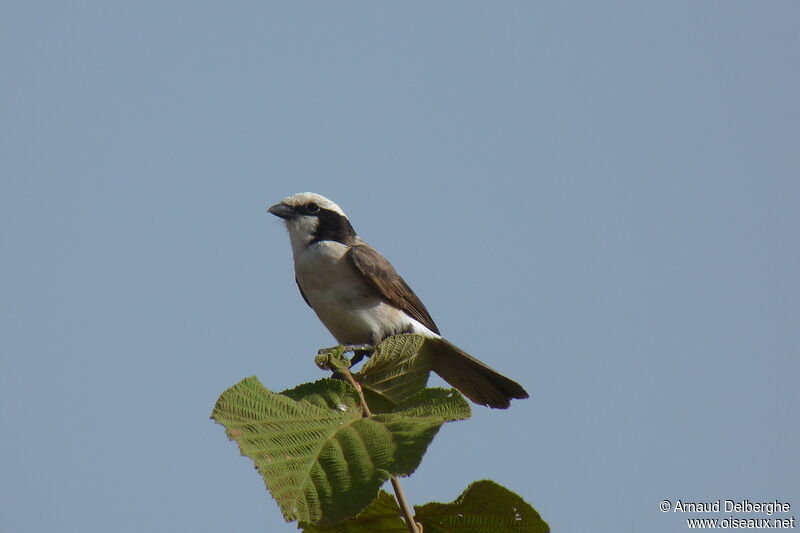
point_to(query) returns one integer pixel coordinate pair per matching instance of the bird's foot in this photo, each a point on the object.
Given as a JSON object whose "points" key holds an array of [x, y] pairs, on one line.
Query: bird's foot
{"points": [[344, 348], [332, 359], [359, 351], [358, 348]]}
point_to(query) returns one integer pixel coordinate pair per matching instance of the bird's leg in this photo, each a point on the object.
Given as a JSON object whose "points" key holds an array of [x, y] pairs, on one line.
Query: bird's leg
{"points": [[358, 355], [358, 348], [359, 351], [344, 348]]}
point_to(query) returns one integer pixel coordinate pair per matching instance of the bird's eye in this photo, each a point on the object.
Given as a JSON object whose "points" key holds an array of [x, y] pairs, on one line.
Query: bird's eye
{"points": [[312, 208]]}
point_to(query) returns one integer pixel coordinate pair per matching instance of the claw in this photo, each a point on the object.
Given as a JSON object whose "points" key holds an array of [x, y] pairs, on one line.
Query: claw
{"points": [[358, 348], [344, 348], [359, 351]]}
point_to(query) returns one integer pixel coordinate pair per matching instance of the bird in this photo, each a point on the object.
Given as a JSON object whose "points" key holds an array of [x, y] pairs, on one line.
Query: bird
{"points": [[361, 299]]}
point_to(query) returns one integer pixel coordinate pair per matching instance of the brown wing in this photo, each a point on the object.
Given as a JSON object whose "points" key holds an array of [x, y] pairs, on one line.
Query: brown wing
{"points": [[379, 273]]}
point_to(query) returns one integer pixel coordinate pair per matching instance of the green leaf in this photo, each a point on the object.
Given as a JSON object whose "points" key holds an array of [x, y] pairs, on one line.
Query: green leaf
{"points": [[382, 515], [444, 403], [320, 458], [336, 395], [485, 507], [398, 368]]}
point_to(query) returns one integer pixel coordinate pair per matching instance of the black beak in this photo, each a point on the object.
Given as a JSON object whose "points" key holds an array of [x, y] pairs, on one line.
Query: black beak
{"points": [[283, 211]]}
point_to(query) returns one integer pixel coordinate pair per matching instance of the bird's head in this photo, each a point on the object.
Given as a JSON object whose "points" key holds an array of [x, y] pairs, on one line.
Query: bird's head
{"points": [[313, 218]]}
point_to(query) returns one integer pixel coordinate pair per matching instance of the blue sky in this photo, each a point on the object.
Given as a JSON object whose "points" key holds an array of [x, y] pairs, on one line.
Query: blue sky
{"points": [[599, 199]]}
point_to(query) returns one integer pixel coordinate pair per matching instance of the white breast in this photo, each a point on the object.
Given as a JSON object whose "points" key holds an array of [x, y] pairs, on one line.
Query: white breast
{"points": [[344, 302]]}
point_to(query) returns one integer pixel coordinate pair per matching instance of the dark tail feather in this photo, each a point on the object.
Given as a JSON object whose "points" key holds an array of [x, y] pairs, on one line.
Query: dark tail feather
{"points": [[474, 379]]}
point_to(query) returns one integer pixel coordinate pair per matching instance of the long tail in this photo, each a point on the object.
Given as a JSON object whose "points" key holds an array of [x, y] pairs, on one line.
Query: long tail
{"points": [[475, 380]]}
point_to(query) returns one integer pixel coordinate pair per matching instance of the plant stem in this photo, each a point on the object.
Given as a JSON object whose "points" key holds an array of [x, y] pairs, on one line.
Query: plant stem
{"points": [[401, 500], [399, 495]]}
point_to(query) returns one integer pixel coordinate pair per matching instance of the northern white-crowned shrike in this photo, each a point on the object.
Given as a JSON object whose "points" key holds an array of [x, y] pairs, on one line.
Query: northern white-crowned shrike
{"points": [[361, 299]]}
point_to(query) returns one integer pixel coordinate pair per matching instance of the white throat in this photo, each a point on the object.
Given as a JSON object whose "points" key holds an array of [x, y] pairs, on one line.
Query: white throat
{"points": [[301, 233]]}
